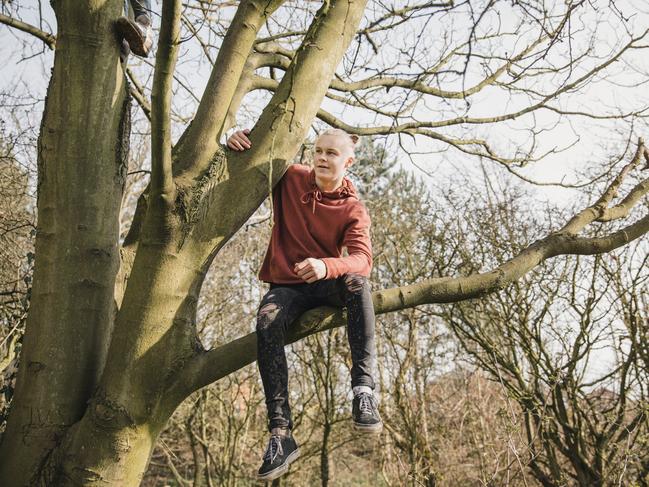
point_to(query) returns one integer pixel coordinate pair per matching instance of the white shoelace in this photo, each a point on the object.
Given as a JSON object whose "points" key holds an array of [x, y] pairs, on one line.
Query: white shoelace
{"points": [[365, 403], [274, 448]]}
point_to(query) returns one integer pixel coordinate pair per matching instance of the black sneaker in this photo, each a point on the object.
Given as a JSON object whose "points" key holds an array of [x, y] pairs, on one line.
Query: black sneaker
{"points": [[281, 451], [365, 414]]}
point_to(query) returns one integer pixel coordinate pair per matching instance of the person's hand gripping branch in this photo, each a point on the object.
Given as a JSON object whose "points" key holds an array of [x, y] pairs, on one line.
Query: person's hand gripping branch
{"points": [[311, 270], [239, 140]]}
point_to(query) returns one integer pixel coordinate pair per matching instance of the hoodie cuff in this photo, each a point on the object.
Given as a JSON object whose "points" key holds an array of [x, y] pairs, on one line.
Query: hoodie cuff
{"points": [[332, 268]]}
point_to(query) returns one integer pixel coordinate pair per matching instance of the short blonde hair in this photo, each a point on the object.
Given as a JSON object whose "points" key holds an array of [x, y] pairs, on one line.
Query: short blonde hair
{"points": [[352, 139]]}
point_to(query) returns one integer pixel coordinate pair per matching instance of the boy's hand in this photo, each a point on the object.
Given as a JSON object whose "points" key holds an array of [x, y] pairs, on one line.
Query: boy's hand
{"points": [[239, 140], [310, 270]]}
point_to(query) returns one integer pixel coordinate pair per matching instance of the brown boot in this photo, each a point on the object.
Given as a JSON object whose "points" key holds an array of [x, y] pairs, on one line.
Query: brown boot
{"points": [[137, 33]]}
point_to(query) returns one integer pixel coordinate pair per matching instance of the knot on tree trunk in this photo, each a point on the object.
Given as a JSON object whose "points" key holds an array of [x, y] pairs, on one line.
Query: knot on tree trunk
{"points": [[109, 415], [194, 200]]}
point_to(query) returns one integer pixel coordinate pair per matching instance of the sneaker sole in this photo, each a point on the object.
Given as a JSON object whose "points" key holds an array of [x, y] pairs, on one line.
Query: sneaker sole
{"points": [[132, 35], [374, 429], [281, 469]]}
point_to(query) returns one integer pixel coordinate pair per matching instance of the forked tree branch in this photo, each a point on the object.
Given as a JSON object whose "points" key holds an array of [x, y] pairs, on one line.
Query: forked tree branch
{"points": [[282, 126], [200, 141], [600, 211], [622, 209]]}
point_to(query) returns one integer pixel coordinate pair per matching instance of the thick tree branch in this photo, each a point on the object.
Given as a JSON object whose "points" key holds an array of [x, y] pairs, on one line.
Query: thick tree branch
{"points": [[47, 38], [614, 187], [601, 245], [622, 209], [310, 72], [161, 177], [198, 144], [221, 361]]}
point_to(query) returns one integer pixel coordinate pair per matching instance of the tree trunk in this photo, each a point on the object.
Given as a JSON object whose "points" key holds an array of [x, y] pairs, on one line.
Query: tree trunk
{"points": [[112, 443], [82, 159], [101, 449], [324, 454]]}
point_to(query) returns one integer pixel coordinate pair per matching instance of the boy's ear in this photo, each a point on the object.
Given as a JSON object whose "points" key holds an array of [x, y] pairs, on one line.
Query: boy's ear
{"points": [[350, 160]]}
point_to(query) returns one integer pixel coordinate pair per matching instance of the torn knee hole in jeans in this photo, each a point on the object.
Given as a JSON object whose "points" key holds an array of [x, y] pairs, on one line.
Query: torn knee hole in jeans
{"points": [[354, 283], [267, 314]]}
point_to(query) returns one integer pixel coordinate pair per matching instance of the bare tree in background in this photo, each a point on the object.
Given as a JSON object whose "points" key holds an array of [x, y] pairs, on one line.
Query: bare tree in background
{"points": [[17, 228], [564, 343]]}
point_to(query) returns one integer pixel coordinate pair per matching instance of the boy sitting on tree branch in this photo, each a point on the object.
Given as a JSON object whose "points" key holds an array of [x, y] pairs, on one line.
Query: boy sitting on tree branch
{"points": [[316, 213]]}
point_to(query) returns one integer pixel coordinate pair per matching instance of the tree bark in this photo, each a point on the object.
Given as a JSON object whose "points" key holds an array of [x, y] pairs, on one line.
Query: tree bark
{"points": [[82, 162]]}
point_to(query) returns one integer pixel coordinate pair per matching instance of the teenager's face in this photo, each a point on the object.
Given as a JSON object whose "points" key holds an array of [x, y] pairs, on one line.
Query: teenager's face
{"points": [[331, 157]]}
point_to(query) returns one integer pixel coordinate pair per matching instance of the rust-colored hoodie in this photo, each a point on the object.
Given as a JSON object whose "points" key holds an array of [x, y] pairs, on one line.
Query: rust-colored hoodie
{"points": [[309, 222]]}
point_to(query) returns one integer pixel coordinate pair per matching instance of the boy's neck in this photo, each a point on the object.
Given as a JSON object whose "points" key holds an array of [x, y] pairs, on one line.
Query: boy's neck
{"points": [[328, 186]]}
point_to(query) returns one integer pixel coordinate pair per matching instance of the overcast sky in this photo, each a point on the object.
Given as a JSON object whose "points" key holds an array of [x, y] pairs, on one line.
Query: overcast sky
{"points": [[27, 62]]}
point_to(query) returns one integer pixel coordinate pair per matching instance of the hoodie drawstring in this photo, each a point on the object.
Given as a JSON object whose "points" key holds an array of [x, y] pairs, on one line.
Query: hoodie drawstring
{"points": [[314, 195]]}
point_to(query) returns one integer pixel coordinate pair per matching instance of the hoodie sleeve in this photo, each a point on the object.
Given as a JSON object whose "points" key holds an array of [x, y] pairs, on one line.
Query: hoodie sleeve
{"points": [[356, 238]]}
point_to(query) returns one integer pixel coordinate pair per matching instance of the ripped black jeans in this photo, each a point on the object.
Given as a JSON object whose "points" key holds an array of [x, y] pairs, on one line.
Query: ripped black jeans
{"points": [[282, 304]]}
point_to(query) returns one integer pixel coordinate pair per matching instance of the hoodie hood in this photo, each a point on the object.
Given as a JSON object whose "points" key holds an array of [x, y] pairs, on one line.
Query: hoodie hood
{"points": [[314, 193]]}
